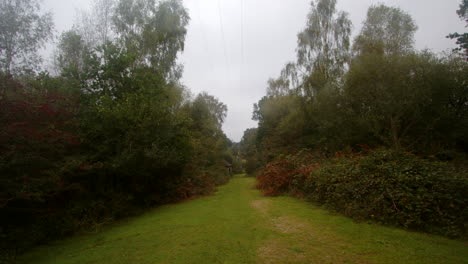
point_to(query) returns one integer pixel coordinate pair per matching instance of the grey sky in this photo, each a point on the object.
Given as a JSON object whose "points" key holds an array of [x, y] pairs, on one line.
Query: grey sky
{"points": [[214, 62]]}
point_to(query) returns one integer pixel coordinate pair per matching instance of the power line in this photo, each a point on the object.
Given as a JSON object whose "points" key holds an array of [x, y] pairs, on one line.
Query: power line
{"points": [[242, 43], [224, 40], [203, 33], [242, 30]]}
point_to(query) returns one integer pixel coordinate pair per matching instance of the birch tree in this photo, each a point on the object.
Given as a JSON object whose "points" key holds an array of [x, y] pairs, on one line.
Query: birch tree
{"points": [[323, 49], [23, 31]]}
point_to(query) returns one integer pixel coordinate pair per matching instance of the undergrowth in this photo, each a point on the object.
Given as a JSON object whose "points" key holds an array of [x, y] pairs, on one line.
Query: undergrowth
{"points": [[388, 187]]}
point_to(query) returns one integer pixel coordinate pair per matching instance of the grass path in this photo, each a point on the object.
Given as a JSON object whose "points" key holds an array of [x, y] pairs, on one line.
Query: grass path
{"points": [[237, 225]]}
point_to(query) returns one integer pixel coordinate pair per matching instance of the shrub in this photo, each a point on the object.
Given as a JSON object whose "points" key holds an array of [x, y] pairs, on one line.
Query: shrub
{"points": [[275, 178], [394, 188], [251, 165], [286, 174], [37, 140], [72, 163]]}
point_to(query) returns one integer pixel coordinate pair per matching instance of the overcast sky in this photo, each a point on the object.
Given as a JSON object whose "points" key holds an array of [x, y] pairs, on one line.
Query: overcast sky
{"points": [[233, 60]]}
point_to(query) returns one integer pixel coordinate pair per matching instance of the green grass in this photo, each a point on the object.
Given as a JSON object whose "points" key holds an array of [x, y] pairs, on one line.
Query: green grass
{"points": [[328, 234], [237, 225]]}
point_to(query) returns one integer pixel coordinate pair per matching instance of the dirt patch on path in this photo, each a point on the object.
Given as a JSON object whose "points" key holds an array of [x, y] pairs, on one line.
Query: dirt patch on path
{"points": [[307, 249], [261, 205], [282, 224], [287, 225], [275, 252], [300, 241]]}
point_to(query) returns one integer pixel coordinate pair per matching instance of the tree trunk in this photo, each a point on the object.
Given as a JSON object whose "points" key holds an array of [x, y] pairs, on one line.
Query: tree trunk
{"points": [[394, 128]]}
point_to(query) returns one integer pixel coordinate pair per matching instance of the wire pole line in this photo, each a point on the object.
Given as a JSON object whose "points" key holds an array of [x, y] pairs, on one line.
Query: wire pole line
{"points": [[203, 34], [242, 43], [223, 39]]}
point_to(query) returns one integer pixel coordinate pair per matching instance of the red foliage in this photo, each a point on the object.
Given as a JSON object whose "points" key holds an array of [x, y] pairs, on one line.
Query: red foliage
{"points": [[278, 176], [185, 191], [275, 178], [41, 118]]}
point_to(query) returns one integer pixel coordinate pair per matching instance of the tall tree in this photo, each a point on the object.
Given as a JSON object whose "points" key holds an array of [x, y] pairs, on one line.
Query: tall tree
{"points": [[71, 54], [95, 26], [387, 30], [104, 10], [23, 30], [323, 49], [155, 31], [209, 109], [278, 87], [414, 101], [462, 39]]}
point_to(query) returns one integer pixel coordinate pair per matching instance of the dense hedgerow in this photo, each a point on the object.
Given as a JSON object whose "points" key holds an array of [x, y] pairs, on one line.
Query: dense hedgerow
{"points": [[388, 187], [375, 91], [394, 188], [275, 178], [286, 174], [67, 165]]}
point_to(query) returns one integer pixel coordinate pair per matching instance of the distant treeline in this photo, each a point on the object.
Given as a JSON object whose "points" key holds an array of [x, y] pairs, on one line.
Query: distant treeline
{"points": [[110, 131], [394, 120]]}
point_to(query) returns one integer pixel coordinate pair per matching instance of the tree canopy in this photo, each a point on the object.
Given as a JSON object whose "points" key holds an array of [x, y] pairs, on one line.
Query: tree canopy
{"points": [[462, 38], [113, 132], [23, 31]]}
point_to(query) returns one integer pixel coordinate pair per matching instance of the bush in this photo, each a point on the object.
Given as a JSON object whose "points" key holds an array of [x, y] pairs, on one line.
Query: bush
{"points": [[275, 178], [394, 188], [389, 187], [286, 174], [73, 163], [251, 166]]}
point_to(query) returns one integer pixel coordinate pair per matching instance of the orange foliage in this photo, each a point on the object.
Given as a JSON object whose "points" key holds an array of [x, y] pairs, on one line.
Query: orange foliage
{"points": [[278, 177]]}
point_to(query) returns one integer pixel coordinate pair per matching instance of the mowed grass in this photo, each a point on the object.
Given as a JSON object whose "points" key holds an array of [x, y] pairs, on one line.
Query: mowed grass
{"points": [[237, 225], [329, 238], [222, 228]]}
